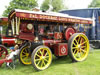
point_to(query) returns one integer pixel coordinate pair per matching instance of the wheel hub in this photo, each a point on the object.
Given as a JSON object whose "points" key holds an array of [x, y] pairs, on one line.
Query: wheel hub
{"points": [[42, 57], [79, 46], [27, 54]]}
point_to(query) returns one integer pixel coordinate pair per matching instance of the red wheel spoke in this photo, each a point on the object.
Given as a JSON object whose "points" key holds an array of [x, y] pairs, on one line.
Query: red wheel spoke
{"points": [[80, 40], [83, 42], [46, 54], [2, 51]]}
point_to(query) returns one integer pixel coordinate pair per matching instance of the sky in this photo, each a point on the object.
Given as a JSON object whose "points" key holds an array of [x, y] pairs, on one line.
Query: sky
{"points": [[77, 4], [71, 4], [3, 3]]}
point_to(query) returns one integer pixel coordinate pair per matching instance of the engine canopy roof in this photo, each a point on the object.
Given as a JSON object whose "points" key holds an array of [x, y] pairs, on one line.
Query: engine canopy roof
{"points": [[48, 16]]}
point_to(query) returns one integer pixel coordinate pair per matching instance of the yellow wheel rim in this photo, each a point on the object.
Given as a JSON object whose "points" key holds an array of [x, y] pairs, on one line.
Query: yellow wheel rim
{"points": [[25, 57], [42, 58], [80, 47]]}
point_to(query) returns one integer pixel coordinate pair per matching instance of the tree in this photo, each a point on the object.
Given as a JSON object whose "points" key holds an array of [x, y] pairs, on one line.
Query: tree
{"points": [[56, 4], [20, 4], [95, 3], [45, 5]]}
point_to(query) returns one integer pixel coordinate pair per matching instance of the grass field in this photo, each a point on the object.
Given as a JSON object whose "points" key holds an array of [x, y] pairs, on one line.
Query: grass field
{"points": [[62, 66]]}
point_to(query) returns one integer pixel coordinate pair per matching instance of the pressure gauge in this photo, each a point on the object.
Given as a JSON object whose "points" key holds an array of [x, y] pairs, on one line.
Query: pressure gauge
{"points": [[29, 26]]}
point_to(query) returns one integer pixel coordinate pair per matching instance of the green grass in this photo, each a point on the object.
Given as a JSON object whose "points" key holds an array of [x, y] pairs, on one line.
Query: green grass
{"points": [[62, 66]]}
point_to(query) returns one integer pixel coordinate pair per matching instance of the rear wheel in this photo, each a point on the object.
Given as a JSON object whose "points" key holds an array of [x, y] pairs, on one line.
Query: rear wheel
{"points": [[3, 51], [25, 55], [78, 47], [41, 57]]}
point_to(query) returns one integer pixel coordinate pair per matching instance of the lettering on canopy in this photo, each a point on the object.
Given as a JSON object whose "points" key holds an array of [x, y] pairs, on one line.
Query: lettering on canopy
{"points": [[43, 16], [52, 18]]}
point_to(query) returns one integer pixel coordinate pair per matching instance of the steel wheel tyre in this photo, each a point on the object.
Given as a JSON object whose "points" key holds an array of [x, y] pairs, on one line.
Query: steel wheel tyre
{"points": [[41, 58], [24, 55], [78, 47], [3, 52]]}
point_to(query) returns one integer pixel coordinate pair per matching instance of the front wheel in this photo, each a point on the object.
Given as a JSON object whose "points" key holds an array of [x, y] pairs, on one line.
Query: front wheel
{"points": [[25, 55], [41, 58], [78, 47]]}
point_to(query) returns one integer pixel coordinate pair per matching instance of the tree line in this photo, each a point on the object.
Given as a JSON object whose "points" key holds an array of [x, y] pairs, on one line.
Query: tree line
{"points": [[30, 4]]}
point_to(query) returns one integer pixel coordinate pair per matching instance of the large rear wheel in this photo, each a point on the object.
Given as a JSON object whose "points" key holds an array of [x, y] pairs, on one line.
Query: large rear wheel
{"points": [[78, 47], [25, 55], [41, 58]]}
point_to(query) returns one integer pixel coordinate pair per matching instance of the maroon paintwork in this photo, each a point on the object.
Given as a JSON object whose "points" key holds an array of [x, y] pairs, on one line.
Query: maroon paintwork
{"points": [[8, 41], [68, 32], [61, 49]]}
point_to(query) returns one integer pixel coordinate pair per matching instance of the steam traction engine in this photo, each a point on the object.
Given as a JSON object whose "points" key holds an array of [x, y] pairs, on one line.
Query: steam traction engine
{"points": [[43, 34], [5, 40]]}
